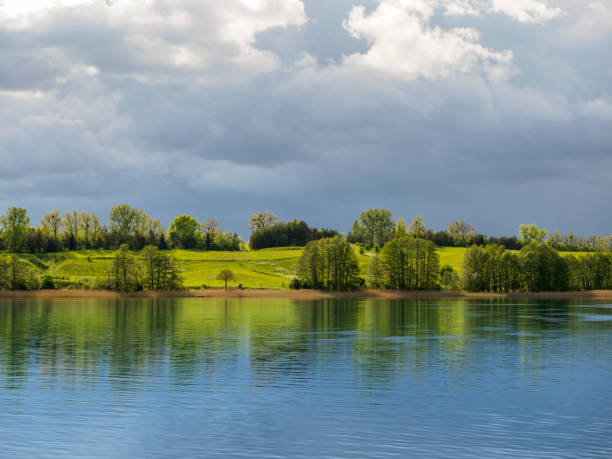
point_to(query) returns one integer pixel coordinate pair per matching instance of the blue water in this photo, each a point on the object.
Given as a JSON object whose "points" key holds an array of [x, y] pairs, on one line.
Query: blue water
{"points": [[280, 378]]}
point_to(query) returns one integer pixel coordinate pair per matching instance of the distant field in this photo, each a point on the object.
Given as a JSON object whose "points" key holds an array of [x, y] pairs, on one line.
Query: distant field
{"points": [[452, 256], [267, 268]]}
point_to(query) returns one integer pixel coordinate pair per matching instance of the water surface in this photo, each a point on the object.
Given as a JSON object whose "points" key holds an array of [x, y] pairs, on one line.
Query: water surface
{"points": [[277, 378]]}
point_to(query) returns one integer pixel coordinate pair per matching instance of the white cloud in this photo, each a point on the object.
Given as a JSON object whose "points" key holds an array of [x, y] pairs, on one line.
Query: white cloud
{"points": [[203, 40], [403, 44], [591, 22], [598, 108], [527, 11]]}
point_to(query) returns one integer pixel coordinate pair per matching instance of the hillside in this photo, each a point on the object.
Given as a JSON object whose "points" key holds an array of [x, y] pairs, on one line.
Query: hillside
{"points": [[267, 268]]}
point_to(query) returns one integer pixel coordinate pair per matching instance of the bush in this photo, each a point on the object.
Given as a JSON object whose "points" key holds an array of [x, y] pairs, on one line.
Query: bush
{"points": [[295, 284], [47, 282]]}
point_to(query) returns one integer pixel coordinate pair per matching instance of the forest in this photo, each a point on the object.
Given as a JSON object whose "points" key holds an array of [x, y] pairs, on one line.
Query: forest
{"points": [[377, 253]]}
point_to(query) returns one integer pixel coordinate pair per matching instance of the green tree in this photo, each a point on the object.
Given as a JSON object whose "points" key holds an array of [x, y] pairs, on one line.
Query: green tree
{"points": [[183, 232], [211, 231], [89, 225], [461, 232], [544, 269], [262, 220], [71, 228], [377, 224], [226, 275], [531, 233], [122, 274], [52, 223], [411, 264], [401, 228], [14, 228], [417, 227], [449, 279], [376, 273], [123, 220], [159, 271], [329, 264]]}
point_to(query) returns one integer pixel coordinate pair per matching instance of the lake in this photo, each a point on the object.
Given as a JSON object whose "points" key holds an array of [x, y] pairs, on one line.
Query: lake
{"points": [[284, 378]]}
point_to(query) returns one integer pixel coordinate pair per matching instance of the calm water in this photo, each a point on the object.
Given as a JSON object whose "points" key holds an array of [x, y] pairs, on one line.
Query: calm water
{"points": [[276, 378]]}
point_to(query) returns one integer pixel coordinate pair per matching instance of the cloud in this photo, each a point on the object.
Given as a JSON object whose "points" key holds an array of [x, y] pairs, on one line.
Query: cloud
{"points": [[153, 42], [598, 108], [527, 11], [404, 45], [445, 108]]}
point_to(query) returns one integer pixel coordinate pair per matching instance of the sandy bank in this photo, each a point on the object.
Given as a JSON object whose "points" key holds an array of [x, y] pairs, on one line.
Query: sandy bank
{"points": [[304, 294]]}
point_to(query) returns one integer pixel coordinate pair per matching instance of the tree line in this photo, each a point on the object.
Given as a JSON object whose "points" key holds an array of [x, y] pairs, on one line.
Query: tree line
{"points": [[538, 267], [151, 269], [372, 230], [267, 232], [403, 255], [127, 225], [375, 227]]}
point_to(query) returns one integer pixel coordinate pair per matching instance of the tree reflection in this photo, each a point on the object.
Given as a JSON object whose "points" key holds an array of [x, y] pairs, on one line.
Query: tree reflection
{"points": [[73, 342]]}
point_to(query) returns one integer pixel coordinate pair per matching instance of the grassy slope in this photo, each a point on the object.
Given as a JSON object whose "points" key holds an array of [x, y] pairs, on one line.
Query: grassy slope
{"points": [[268, 268]]}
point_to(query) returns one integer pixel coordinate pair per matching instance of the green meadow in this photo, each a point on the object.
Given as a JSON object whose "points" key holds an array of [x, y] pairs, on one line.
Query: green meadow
{"points": [[266, 268]]}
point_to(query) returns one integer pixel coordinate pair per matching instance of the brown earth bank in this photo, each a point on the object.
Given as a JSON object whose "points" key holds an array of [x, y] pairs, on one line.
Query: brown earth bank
{"points": [[304, 294]]}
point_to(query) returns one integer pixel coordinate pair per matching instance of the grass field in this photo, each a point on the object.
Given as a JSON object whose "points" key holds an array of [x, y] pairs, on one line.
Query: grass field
{"points": [[268, 268]]}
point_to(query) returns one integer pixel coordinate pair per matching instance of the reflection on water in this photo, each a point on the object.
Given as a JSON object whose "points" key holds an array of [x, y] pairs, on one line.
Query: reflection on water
{"points": [[262, 378]]}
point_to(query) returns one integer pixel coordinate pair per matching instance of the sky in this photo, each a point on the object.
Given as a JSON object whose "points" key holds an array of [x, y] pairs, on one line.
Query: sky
{"points": [[497, 112]]}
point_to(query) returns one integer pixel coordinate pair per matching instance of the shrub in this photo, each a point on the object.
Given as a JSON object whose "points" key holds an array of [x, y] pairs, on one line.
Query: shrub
{"points": [[47, 282]]}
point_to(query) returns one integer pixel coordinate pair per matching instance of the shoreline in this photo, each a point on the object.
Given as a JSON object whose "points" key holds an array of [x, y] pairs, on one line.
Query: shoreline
{"points": [[303, 294]]}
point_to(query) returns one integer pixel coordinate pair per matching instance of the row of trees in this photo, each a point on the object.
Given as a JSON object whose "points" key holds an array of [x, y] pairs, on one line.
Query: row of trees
{"points": [[375, 227], [150, 270], [411, 263], [538, 267], [186, 232], [571, 242], [15, 274], [406, 263], [328, 264], [280, 234], [127, 225]]}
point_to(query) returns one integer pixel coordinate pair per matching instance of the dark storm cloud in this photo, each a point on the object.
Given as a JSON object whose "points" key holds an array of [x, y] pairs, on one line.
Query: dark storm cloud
{"points": [[97, 109]]}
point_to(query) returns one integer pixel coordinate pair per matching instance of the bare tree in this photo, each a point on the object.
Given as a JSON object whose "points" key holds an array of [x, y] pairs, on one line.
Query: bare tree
{"points": [[262, 220], [211, 230], [52, 222]]}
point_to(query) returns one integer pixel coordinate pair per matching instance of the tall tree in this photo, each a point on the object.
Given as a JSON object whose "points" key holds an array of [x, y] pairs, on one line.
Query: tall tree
{"points": [[211, 231], [329, 264], [52, 223], [262, 220], [417, 227], [71, 229], [401, 228], [531, 233], [377, 224], [376, 272], [14, 228], [183, 232], [461, 232], [123, 220], [410, 264], [158, 271]]}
